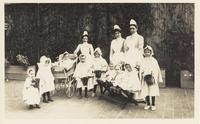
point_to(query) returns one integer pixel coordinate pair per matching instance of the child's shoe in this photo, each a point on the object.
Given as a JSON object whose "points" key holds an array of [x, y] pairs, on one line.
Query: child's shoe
{"points": [[93, 94], [147, 107], [37, 106], [30, 106], [153, 108], [45, 101]]}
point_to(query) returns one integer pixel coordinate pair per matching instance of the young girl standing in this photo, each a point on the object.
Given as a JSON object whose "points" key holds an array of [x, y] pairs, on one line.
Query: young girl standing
{"points": [[46, 78], [150, 68], [31, 95]]}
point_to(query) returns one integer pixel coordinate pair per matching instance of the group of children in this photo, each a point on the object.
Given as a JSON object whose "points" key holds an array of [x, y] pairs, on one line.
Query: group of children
{"points": [[131, 78], [89, 74]]}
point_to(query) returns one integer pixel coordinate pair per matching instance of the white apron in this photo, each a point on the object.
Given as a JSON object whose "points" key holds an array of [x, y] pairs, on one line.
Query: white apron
{"points": [[46, 78]]}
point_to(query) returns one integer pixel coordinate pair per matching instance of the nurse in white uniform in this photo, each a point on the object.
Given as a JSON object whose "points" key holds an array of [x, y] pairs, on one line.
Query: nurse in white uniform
{"points": [[133, 45], [85, 48], [116, 48]]}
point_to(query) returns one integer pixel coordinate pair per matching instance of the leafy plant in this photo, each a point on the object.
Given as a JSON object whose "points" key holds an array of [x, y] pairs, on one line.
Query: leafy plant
{"points": [[23, 60]]}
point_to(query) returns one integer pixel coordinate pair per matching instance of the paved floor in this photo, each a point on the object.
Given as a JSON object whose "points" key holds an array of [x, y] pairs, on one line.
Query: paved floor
{"points": [[173, 103]]}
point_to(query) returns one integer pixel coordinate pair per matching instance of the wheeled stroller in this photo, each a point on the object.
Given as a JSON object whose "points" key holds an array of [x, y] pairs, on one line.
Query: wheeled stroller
{"points": [[63, 71]]}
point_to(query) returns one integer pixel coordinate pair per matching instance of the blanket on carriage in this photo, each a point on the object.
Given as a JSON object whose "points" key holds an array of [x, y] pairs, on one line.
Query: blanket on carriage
{"points": [[65, 62]]}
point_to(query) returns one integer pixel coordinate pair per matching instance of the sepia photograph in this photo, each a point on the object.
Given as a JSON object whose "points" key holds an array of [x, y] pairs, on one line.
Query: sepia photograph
{"points": [[99, 60]]}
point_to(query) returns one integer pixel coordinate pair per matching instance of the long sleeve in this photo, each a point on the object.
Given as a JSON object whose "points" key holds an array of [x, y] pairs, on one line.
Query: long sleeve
{"points": [[141, 44], [123, 47], [111, 51], [77, 49], [91, 50]]}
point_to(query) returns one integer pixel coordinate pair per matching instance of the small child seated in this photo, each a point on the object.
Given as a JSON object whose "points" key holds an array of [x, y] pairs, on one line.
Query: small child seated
{"points": [[66, 60], [110, 74], [99, 67], [31, 95], [82, 73], [131, 80], [119, 76]]}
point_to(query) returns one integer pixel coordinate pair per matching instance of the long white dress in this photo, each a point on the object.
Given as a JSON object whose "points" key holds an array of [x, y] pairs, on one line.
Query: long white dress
{"points": [[46, 78], [150, 66], [133, 47], [116, 51], [82, 70], [31, 94]]}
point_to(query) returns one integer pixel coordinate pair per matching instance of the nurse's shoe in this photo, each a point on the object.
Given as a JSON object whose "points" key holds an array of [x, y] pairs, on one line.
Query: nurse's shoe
{"points": [[153, 108], [147, 107]]}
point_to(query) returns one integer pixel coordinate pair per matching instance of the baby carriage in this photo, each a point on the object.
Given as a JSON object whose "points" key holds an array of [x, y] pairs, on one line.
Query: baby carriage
{"points": [[63, 71]]}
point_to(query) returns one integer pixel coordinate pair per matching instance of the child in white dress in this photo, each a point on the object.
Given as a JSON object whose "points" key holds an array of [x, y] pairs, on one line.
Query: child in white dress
{"points": [[131, 80], [46, 78], [82, 74], [99, 67], [151, 68], [31, 95]]}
